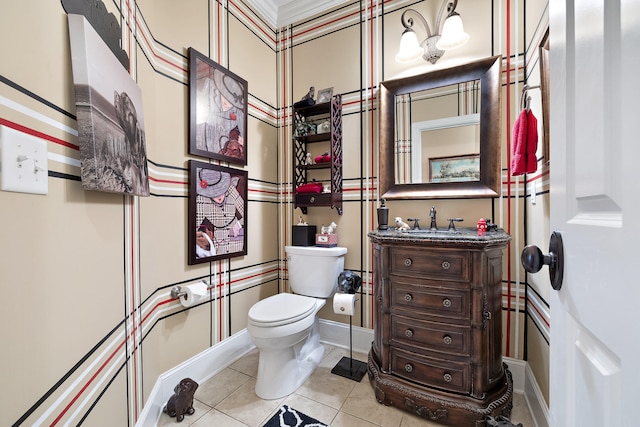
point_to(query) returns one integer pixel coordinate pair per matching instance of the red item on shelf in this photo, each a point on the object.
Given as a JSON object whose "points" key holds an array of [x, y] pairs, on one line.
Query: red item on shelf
{"points": [[322, 159], [311, 187]]}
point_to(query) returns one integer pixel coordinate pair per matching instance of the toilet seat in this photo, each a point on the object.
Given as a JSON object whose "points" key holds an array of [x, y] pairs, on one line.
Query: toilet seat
{"points": [[281, 309]]}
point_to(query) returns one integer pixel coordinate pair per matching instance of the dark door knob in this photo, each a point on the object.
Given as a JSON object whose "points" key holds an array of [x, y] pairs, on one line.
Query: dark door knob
{"points": [[533, 259]]}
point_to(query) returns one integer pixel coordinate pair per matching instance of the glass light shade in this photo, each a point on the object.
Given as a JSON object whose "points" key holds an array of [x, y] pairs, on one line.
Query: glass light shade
{"points": [[409, 47], [453, 34]]}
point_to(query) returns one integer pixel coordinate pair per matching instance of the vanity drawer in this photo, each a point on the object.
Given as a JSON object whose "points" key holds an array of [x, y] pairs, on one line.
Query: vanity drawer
{"points": [[448, 303], [443, 374], [443, 264], [430, 336]]}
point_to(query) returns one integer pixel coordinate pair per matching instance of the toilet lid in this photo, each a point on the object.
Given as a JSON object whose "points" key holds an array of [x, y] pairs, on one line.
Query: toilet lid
{"points": [[281, 309]]}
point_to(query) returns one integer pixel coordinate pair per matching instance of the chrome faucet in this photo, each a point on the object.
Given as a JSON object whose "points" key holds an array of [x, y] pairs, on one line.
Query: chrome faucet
{"points": [[432, 214], [452, 226], [416, 223]]}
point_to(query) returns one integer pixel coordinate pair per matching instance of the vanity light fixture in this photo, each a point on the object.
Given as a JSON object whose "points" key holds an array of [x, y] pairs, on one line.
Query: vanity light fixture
{"points": [[448, 34]]}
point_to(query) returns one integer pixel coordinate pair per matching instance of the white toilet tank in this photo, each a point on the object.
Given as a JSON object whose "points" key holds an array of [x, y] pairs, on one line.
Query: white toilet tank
{"points": [[313, 271]]}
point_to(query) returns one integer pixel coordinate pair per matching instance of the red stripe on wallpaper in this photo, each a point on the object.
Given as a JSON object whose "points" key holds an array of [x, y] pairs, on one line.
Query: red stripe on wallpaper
{"points": [[36, 133], [220, 305], [265, 112], [285, 112], [540, 314], [219, 31], [373, 139], [129, 13], [508, 135], [269, 36], [103, 365], [324, 24], [153, 50], [167, 181], [134, 350], [251, 276]]}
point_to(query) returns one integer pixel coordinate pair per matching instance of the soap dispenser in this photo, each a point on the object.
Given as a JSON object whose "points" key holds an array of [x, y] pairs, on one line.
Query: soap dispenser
{"points": [[383, 216]]}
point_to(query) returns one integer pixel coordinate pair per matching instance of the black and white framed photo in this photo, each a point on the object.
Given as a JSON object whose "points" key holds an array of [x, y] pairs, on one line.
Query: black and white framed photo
{"points": [[113, 153], [325, 95]]}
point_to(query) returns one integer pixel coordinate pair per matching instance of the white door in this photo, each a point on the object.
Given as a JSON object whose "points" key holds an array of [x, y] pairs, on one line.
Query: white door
{"points": [[595, 205]]}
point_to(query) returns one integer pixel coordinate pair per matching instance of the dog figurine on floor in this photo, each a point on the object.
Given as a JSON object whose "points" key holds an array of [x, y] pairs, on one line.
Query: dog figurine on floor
{"points": [[401, 225], [181, 402]]}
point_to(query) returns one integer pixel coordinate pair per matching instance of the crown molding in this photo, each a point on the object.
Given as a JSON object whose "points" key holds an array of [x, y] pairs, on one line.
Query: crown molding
{"points": [[266, 8], [291, 11], [299, 10]]}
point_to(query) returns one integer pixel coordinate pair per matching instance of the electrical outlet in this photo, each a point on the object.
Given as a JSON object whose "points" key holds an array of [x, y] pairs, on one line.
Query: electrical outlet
{"points": [[23, 162]]}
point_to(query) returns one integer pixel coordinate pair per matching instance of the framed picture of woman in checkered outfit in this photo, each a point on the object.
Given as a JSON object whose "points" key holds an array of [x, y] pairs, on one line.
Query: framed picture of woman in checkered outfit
{"points": [[217, 212]]}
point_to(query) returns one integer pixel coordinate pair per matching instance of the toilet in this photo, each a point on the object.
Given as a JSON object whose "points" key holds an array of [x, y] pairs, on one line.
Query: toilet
{"points": [[285, 327]]}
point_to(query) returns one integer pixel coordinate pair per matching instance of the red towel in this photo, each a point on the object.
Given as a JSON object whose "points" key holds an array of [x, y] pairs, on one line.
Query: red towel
{"points": [[323, 158], [311, 187], [525, 144]]}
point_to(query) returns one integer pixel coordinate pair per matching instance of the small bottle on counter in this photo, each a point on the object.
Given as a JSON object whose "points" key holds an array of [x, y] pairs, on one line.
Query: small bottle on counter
{"points": [[383, 216], [482, 227]]}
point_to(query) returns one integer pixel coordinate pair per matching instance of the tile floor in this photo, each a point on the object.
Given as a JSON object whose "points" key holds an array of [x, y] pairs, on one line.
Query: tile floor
{"points": [[228, 399]]}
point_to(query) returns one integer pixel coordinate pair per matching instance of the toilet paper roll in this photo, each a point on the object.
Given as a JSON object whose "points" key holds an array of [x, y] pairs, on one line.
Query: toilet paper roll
{"points": [[344, 304], [195, 293]]}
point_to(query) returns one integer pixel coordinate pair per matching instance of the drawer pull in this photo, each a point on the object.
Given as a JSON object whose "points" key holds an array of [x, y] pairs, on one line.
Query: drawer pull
{"points": [[448, 378], [446, 265], [408, 262], [446, 302], [408, 367], [312, 199], [408, 333], [447, 340], [408, 297]]}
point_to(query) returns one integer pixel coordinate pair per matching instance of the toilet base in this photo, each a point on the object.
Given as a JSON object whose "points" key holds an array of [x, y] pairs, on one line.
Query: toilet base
{"points": [[282, 371]]}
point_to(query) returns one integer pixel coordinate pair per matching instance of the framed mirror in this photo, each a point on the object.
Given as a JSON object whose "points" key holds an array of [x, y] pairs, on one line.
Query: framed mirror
{"points": [[544, 88], [440, 133]]}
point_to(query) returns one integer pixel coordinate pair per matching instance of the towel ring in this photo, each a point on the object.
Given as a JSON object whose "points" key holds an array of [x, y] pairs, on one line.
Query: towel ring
{"points": [[524, 99]]}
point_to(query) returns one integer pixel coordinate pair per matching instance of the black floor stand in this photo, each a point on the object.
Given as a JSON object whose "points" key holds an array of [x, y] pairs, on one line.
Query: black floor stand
{"points": [[347, 367]]}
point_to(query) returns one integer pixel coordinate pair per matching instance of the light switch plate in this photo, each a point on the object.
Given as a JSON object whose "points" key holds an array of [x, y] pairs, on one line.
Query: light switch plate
{"points": [[23, 162], [534, 191]]}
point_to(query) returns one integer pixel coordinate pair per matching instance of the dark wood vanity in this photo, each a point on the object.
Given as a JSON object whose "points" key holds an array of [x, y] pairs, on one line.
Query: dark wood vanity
{"points": [[437, 349]]}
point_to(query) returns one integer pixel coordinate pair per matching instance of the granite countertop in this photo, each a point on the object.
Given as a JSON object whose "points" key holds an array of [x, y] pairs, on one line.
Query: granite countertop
{"points": [[463, 235]]}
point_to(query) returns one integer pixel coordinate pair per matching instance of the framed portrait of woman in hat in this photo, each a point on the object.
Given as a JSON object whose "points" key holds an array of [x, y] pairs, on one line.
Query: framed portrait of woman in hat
{"points": [[217, 212], [217, 111]]}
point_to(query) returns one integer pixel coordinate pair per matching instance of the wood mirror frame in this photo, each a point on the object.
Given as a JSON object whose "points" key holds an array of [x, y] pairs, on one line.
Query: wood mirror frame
{"points": [[488, 72], [544, 88]]}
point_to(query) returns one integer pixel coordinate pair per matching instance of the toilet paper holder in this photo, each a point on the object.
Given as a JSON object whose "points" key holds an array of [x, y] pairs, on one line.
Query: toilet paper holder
{"points": [[177, 292], [349, 283]]}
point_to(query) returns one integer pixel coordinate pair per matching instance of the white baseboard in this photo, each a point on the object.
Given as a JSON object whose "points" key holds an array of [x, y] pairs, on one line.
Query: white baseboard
{"points": [[214, 359], [337, 335], [533, 395], [517, 368], [200, 368]]}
